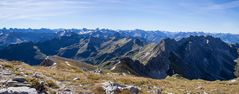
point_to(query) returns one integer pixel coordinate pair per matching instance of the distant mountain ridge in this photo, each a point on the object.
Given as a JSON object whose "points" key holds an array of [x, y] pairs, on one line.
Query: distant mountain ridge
{"points": [[85, 48], [14, 36]]}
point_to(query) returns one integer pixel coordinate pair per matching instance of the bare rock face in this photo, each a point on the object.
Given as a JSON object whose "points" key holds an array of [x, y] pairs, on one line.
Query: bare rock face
{"points": [[196, 57], [237, 65], [16, 82], [47, 62], [204, 58]]}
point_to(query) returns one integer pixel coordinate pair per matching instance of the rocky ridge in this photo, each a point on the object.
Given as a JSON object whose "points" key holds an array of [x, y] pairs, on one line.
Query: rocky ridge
{"points": [[201, 57]]}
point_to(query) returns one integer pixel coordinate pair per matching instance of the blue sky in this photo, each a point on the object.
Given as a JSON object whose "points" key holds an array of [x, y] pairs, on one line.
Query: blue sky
{"points": [[167, 15]]}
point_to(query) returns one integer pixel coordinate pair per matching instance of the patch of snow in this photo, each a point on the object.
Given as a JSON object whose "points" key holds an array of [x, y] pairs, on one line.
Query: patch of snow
{"points": [[146, 54], [18, 41], [67, 63], [47, 57], [115, 65], [235, 60], [85, 32], [233, 80], [207, 41], [63, 33], [113, 68], [124, 74]]}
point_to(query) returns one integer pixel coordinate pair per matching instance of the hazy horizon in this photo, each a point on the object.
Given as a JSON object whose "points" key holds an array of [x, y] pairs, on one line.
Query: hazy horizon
{"points": [[127, 30], [210, 16]]}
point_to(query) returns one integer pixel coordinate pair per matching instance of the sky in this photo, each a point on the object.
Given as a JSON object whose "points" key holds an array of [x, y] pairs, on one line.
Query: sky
{"points": [[221, 16]]}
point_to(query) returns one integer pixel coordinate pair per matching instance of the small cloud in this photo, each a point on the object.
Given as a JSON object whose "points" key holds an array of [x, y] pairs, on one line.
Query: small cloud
{"points": [[39, 9]]}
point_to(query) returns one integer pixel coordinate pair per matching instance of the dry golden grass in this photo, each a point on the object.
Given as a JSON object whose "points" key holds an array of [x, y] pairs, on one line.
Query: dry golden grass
{"points": [[88, 80], [98, 90]]}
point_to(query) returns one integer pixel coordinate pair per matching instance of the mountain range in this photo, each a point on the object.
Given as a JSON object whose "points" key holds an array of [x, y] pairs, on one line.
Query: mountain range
{"points": [[14, 35], [154, 54]]}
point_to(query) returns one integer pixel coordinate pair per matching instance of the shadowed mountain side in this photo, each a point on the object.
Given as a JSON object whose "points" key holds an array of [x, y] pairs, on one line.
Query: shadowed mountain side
{"points": [[26, 52], [193, 58], [84, 48]]}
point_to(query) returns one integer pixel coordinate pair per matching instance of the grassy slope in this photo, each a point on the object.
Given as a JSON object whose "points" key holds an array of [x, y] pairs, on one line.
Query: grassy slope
{"points": [[63, 74]]}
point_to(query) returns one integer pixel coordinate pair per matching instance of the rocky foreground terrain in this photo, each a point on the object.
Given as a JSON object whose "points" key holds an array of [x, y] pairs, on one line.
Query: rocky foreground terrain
{"points": [[65, 76]]}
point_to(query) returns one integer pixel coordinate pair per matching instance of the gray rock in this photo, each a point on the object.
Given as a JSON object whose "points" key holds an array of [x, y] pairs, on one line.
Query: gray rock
{"points": [[1, 66], [19, 79], [115, 88], [20, 69], [133, 90], [15, 84], [98, 71], [37, 75], [47, 62], [77, 78], [156, 91], [67, 91], [6, 72], [18, 90]]}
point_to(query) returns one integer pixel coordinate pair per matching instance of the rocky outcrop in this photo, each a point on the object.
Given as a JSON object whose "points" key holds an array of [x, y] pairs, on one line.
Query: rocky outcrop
{"points": [[47, 62], [16, 82], [12, 84], [126, 65], [115, 88], [18, 90]]}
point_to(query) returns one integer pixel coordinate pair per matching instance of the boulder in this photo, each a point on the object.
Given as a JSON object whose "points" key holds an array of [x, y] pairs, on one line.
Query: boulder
{"points": [[115, 88], [18, 90], [98, 71], [17, 82], [1, 67], [66, 91], [47, 62], [77, 78], [37, 75], [111, 88], [6, 72], [19, 79], [133, 89]]}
